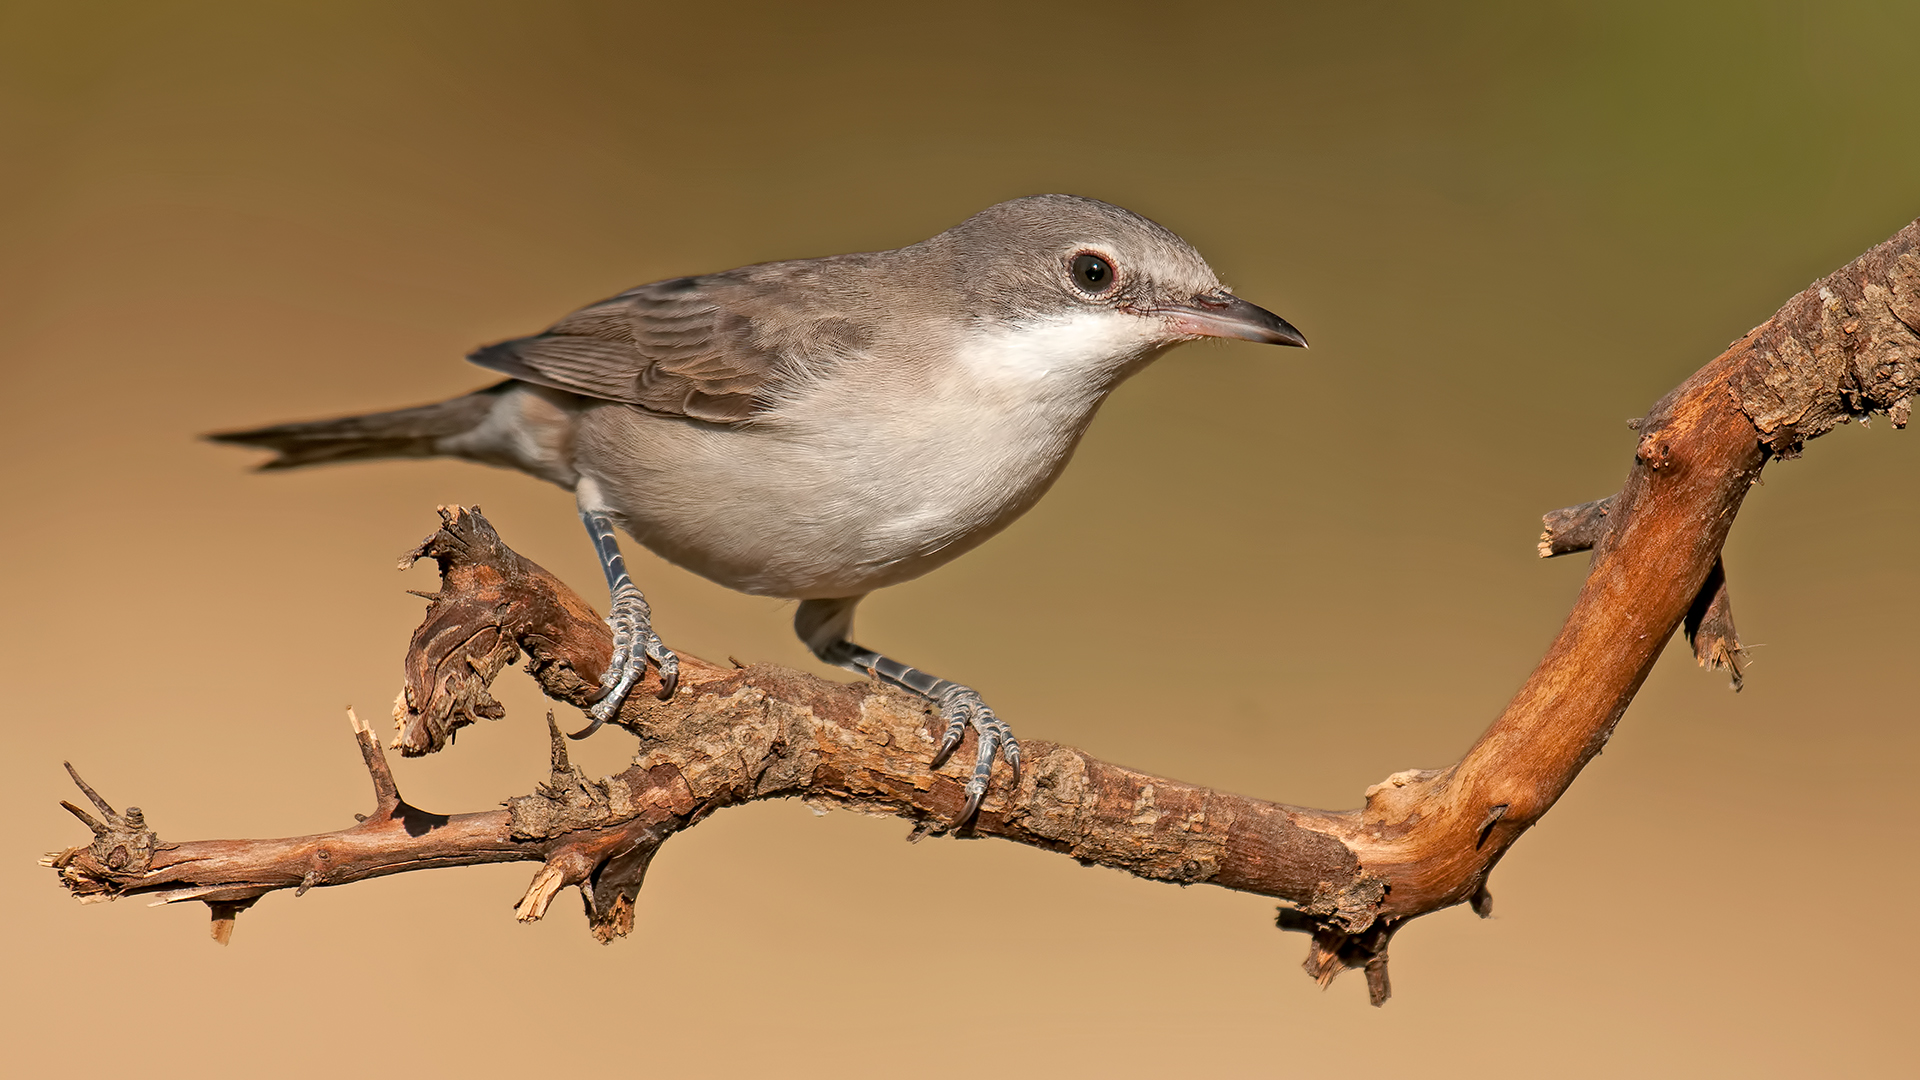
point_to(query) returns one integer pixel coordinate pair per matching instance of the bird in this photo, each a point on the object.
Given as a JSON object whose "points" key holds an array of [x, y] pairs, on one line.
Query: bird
{"points": [[816, 429]]}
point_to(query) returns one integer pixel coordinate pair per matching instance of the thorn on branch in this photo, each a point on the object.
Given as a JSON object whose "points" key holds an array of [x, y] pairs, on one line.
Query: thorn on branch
{"points": [[560, 764], [568, 799], [99, 827], [93, 796]]}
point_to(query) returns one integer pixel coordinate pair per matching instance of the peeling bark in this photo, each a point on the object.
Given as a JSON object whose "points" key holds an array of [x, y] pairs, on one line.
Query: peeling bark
{"points": [[1423, 840]]}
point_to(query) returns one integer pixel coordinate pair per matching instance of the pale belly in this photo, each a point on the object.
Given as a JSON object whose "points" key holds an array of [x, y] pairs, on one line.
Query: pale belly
{"points": [[826, 509]]}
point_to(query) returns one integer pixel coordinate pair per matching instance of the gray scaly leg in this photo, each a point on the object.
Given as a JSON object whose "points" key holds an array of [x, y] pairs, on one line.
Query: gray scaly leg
{"points": [[824, 626], [634, 642]]}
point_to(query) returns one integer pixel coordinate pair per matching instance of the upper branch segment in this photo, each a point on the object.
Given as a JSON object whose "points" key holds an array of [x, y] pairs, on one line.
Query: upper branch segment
{"points": [[1844, 348]]}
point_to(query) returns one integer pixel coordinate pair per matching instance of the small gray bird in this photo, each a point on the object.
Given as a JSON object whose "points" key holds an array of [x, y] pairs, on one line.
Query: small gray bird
{"points": [[821, 428]]}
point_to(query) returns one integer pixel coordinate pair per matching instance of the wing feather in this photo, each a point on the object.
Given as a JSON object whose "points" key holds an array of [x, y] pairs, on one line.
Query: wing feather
{"points": [[677, 347]]}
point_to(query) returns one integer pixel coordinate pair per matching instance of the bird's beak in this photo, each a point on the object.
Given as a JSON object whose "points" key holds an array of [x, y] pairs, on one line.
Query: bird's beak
{"points": [[1224, 315]]}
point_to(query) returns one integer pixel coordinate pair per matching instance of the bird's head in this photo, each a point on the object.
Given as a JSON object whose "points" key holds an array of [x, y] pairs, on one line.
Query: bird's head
{"points": [[1098, 285]]}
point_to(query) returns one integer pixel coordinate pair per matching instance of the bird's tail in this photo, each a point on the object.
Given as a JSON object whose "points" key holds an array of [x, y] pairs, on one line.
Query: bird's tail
{"points": [[415, 432]]}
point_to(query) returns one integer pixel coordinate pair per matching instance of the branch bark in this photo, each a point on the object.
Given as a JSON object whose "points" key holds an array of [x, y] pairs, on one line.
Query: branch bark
{"points": [[1846, 347]]}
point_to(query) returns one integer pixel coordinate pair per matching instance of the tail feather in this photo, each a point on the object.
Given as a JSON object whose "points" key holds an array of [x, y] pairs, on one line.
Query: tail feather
{"points": [[414, 432]]}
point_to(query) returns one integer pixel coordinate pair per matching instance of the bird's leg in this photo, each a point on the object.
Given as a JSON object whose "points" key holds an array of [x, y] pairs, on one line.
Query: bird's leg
{"points": [[634, 642], [824, 626]]}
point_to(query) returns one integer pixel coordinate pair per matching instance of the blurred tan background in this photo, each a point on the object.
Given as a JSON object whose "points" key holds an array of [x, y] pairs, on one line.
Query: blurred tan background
{"points": [[1506, 228]]}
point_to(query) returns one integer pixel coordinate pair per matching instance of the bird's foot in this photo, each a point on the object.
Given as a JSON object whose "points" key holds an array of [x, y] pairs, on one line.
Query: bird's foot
{"points": [[634, 644], [962, 707]]}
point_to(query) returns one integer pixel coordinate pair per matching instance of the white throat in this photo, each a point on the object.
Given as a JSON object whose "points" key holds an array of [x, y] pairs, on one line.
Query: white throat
{"points": [[1071, 354]]}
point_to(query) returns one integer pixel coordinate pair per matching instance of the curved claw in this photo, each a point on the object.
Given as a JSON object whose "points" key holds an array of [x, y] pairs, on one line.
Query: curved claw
{"points": [[972, 805], [634, 645], [956, 707], [963, 708], [668, 665], [947, 746]]}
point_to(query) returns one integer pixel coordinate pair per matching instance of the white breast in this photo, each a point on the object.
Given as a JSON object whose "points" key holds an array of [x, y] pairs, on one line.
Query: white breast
{"points": [[983, 440], [878, 474]]}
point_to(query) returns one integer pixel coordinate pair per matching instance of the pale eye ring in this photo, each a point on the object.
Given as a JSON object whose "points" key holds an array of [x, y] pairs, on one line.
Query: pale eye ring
{"points": [[1092, 274]]}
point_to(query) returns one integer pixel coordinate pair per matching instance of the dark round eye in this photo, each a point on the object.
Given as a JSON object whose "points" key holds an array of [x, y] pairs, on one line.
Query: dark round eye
{"points": [[1091, 274]]}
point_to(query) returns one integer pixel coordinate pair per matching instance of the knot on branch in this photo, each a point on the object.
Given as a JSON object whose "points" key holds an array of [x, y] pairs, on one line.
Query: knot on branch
{"points": [[122, 848], [569, 802], [607, 864], [1393, 805]]}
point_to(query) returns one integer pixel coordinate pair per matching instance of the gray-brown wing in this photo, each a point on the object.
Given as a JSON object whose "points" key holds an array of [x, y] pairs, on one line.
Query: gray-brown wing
{"points": [[674, 347]]}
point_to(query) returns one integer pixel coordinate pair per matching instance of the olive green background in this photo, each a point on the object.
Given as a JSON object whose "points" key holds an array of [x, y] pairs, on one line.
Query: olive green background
{"points": [[1505, 228]]}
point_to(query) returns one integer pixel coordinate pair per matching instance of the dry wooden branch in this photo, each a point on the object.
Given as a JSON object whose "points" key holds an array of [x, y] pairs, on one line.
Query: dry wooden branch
{"points": [[1846, 347]]}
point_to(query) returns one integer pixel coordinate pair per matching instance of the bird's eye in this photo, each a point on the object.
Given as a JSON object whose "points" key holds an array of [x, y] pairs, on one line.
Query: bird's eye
{"points": [[1091, 274]]}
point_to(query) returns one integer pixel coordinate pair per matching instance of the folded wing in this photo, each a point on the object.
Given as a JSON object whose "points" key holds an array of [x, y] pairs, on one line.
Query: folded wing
{"points": [[680, 347]]}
